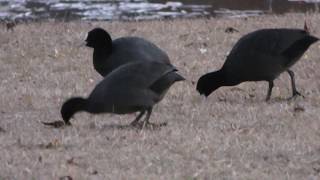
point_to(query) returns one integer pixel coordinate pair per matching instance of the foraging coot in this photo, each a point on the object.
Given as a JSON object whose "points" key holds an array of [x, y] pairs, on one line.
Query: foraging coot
{"points": [[261, 55], [130, 88]]}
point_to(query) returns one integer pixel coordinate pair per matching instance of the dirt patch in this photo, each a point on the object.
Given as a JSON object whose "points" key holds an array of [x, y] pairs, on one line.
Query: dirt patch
{"points": [[233, 134]]}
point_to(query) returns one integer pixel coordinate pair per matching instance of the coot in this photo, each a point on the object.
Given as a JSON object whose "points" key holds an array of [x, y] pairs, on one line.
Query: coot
{"points": [[130, 88], [109, 54], [261, 55]]}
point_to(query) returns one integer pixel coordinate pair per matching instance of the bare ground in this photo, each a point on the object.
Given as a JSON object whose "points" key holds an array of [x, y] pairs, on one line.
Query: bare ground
{"points": [[233, 134]]}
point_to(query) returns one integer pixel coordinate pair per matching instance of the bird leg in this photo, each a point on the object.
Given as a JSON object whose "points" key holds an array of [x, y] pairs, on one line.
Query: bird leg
{"points": [[146, 119], [147, 123], [269, 90], [135, 121], [293, 84]]}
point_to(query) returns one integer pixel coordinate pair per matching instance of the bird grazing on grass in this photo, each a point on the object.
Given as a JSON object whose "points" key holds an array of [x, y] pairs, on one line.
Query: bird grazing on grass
{"points": [[109, 54], [130, 88], [261, 55]]}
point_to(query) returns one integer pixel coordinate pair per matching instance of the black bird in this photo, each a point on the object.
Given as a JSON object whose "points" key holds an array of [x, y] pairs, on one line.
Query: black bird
{"points": [[261, 55], [109, 54], [130, 88]]}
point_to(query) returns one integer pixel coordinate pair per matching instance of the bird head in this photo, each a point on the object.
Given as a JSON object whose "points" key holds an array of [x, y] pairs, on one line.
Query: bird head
{"points": [[98, 38]]}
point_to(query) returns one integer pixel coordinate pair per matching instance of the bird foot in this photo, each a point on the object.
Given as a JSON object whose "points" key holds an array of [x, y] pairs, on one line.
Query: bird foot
{"points": [[153, 126], [267, 99], [295, 95], [135, 124]]}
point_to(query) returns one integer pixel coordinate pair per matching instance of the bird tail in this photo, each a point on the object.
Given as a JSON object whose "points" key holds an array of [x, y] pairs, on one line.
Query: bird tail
{"points": [[299, 47], [312, 39], [178, 77], [166, 81]]}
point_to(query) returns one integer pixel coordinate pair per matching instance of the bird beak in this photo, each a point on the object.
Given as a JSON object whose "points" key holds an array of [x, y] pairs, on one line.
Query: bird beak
{"points": [[82, 44]]}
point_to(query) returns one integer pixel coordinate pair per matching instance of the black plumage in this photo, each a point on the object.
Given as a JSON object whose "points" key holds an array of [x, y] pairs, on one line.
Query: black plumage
{"points": [[109, 54], [130, 88], [261, 55]]}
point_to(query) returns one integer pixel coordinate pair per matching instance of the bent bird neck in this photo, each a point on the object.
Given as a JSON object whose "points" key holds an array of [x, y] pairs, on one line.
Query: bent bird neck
{"points": [[72, 106], [76, 104], [226, 79], [219, 77], [210, 82], [81, 105]]}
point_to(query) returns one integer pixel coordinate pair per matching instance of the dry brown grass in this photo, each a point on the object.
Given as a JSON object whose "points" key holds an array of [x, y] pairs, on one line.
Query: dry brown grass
{"points": [[234, 134]]}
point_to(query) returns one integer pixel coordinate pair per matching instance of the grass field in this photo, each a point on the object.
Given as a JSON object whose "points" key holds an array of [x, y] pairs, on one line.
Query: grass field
{"points": [[233, 134]]}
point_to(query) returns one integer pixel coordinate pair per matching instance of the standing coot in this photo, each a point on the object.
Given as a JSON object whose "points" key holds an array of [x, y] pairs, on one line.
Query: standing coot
{"points": [[261, 55], [109, 54]]}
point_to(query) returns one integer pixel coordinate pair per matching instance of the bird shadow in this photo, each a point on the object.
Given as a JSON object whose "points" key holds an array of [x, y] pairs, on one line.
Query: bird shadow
{"points": [[285, 99], [117, 126], [139, 126], [54, 124]]}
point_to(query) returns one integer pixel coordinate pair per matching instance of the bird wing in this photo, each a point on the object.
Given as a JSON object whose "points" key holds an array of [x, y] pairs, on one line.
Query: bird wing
{"points": [[162, 84], [122, 100], [138, 74], [132, 97], [269, 41], [264, 43], [264, 53], [138, 49]]}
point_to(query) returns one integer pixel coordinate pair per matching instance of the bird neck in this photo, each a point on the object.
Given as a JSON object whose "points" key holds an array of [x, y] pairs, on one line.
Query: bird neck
{"points": [[72, 106], [210, 82], [100, 53], [218, 79], [100, 56]]}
